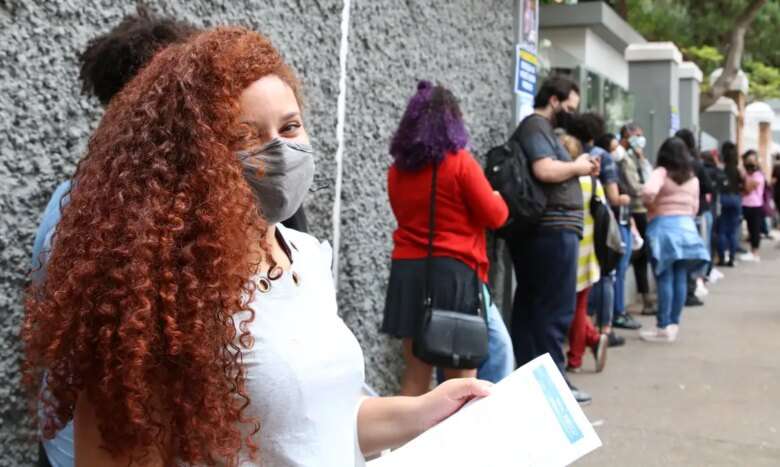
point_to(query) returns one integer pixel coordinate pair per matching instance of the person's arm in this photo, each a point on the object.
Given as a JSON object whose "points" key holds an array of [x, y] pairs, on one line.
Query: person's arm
{"points": [[550, 170], [653, 185], [388, 422], [614, 197], [696, 192], [484, 204]]}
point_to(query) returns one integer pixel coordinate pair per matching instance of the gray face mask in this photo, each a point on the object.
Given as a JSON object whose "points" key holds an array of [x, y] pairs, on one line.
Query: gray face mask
{"points": [[287, 170]]}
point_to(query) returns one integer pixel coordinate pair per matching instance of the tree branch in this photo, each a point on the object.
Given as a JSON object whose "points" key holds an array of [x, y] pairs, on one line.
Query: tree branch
{"points": [[736, 48]]}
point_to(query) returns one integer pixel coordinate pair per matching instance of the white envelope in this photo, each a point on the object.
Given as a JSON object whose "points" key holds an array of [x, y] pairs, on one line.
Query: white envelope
{"points": [[529, 419]]}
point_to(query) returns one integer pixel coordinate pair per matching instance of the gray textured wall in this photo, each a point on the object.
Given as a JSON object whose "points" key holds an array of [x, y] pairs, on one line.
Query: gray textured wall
{"points": [[45, 122]]}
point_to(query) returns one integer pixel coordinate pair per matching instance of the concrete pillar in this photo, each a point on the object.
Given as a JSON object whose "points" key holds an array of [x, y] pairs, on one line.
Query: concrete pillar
{"points": [[690, 81], [653, 79], [764, 140], [720, 120], [737, 92]]}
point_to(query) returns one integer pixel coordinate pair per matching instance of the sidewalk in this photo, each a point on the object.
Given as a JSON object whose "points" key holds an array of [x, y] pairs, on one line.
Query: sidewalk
{"points": [[710, 399]]}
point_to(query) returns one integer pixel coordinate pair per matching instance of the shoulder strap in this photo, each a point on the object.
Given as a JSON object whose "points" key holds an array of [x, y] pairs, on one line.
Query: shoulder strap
{"points": [[431, 226]]}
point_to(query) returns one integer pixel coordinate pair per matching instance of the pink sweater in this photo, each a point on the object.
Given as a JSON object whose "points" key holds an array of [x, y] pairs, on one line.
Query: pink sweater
{"points": [[664, 197]]}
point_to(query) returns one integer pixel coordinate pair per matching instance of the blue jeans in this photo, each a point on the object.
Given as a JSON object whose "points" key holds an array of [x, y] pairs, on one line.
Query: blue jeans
{"points": [[501, 359], [545, 263], [728, 226], [672, 290], [620, 273], [601, 300]]}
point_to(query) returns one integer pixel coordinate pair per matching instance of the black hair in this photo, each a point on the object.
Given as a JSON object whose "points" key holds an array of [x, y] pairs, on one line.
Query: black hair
{"points": [[748, 153], [112, 59], [587, 127], [605, 141], [676, 159], [558, 86], [689, 139], [730, 157]]}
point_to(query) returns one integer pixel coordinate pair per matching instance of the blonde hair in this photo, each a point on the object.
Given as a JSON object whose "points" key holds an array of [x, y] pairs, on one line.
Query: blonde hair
{"points": [[572, 145]]}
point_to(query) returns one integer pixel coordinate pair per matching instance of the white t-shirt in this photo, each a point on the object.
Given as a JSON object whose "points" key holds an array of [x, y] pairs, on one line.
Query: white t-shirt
{"points": [[305, 371]]}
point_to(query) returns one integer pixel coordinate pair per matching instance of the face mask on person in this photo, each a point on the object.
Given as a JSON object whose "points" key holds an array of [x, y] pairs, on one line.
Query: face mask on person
{"points": [[751, 166], [279, 174], [619, 153], [562, 118], [637, 142]]}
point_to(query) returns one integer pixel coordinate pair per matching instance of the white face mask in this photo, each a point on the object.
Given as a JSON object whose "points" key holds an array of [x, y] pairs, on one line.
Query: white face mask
{"points": [[619, 153], [637, 142], [287, 174]]}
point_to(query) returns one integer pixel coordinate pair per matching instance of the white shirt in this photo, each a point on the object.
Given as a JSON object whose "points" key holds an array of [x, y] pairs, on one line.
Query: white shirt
{"points": [[305, 370]]}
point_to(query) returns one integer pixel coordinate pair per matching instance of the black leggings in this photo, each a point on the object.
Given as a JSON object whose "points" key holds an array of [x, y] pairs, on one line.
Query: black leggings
{"points": [[640, 259], [754, 218]]}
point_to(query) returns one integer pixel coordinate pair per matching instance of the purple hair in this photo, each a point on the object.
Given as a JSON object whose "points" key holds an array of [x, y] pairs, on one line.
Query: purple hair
{"points": [[431, 128]]}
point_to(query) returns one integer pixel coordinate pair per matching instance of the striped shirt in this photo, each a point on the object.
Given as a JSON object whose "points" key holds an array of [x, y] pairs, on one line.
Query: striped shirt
{"points": [[588, 271]]}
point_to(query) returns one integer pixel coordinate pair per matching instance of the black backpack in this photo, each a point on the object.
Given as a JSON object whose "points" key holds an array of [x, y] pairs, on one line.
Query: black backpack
{"points": [[509, 173]]}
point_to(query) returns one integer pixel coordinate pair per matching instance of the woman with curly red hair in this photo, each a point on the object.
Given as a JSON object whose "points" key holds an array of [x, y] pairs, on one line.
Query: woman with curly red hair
{"points": [[179, 323]]}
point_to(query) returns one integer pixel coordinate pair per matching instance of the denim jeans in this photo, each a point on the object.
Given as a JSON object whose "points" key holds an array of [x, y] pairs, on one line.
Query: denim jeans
{"points": [[728, 226], [672, 289], [500, 361], [545, 263], [620, 273], [501, 358], [601, 300]]}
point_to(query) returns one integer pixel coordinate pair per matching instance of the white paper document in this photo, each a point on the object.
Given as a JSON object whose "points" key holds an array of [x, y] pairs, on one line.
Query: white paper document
{"points": [[529, 419]]}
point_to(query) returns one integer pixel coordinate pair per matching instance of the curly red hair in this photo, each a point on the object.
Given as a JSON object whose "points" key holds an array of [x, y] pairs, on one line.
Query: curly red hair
{"points": [[151, 266]]}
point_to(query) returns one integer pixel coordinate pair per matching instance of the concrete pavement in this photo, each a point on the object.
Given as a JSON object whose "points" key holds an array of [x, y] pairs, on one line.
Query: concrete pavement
{"points": [[710, 399]]}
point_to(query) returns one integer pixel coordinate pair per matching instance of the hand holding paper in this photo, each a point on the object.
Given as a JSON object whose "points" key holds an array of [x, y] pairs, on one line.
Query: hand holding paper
{"points": [[529, 419]]}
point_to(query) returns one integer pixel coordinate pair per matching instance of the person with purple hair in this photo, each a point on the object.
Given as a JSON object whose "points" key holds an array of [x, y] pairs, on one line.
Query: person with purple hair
{"points": [[431, 133]]}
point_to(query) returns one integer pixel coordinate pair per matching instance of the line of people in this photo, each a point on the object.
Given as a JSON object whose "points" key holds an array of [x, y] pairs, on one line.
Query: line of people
{"points": [[664, 218]]}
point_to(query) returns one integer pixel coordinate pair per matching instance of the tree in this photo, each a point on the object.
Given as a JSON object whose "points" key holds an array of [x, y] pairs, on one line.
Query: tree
{"points": [[736, 49]]}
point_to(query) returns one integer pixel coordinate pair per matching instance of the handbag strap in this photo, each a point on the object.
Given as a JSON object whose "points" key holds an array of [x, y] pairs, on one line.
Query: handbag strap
{"points": [[481, 306], [431, 227]]}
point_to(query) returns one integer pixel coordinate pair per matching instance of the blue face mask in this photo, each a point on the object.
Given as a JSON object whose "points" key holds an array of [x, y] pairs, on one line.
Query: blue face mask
{"points": [[279, 174]]}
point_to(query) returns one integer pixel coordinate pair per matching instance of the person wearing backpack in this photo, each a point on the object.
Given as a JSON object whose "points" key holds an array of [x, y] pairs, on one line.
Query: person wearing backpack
{"points": [[603, 298], [582, 333], [545, 254]]}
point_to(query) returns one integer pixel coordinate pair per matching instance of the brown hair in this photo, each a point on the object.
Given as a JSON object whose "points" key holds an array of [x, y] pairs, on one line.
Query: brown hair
{"points": [[151, 261], [572, 145]]}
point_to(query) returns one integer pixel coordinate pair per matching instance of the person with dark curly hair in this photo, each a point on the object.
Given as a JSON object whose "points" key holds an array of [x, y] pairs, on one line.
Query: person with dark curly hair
{"points": [[432, 136], [107, 64], [180, 322]]}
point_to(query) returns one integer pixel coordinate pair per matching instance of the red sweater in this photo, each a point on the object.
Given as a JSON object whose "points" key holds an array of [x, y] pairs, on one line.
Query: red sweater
{"points": [[465, 206]]}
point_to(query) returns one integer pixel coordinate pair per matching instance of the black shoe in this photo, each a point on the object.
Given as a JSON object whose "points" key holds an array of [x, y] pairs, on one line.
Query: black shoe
{"points": [[615, 340], [648, 310], [626, 321], [693, 300], [600, 352], [730, 264], [582, 397]]}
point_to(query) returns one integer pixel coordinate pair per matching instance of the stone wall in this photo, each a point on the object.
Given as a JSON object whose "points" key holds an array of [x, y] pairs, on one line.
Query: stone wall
{"points": [[45, 122]]}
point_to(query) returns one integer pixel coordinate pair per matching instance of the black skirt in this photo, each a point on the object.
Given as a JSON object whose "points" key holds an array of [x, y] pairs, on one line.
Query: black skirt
{"points": [[455, 286]]}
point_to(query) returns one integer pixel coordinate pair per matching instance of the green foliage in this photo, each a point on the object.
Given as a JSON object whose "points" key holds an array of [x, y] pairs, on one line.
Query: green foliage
{"points": [[701, 30]]}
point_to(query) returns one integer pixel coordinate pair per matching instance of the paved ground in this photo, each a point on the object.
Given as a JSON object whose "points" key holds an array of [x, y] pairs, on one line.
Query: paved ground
{"points": [[710, 399]]}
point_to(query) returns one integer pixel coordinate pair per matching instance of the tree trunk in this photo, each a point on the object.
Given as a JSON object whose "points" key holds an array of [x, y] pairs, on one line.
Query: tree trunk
{"points": [[622, 8], [736, 48]]}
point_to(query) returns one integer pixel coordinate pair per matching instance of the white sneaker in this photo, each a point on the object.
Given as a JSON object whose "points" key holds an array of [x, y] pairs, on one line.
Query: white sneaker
{"points": [[716, 275], [673, 330], [701, 291], [748, 258], [667, 334]]}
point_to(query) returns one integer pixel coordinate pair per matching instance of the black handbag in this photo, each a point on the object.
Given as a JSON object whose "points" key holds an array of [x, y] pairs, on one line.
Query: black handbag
{"points": [[449, 338], [607, 241]]}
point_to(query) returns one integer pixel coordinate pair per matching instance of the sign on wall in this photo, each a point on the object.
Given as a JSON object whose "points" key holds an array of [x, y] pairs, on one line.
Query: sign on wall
{"points": [[526, 60]]}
